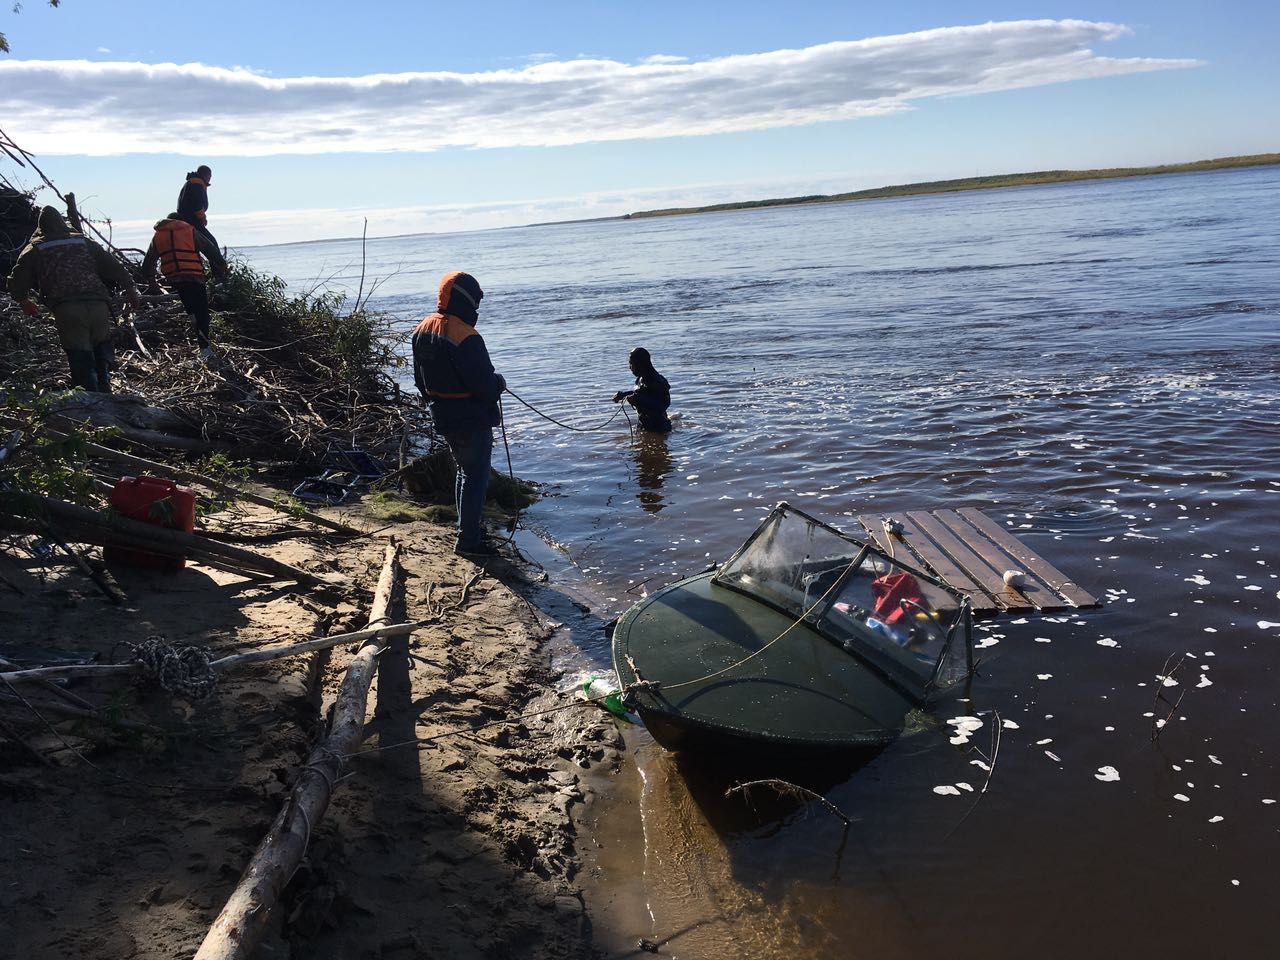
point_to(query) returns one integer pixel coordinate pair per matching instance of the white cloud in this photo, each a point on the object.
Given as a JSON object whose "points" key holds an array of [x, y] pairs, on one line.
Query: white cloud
{"points": [[104, 108]]}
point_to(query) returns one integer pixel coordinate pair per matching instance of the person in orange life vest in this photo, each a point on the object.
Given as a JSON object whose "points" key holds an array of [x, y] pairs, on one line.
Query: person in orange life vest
{"points": [[455, 376], [193, 200], [178, 246], [72, 273]]}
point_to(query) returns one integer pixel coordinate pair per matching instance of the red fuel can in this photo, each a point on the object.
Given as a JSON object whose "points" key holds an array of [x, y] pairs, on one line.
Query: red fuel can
{"points": [[151, 500]]}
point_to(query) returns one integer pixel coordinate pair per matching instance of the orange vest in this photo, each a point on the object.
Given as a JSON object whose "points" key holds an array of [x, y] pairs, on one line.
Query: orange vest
{"points": [[175, 242]]}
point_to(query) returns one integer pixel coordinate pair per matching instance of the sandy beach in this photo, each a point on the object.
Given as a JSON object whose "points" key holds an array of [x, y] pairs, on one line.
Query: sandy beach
{"points": [[127, 842]]}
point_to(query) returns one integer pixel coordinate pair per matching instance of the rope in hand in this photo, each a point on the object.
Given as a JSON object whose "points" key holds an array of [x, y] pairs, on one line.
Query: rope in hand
{"points": [[569, 426], [511, 472]]}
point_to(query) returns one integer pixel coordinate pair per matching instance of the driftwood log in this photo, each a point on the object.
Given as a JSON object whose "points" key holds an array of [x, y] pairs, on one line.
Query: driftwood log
{"points": [[98, 451], [189, 476], [89, 526], [241, 923], [65, 671]]}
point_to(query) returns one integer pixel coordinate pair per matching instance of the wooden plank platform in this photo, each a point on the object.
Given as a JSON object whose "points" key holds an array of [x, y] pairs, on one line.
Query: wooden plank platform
{"points": [[970, 551]]}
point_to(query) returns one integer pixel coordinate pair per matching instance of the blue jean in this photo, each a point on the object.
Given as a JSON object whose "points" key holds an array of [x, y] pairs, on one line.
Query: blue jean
{"points": [[472, 451]]}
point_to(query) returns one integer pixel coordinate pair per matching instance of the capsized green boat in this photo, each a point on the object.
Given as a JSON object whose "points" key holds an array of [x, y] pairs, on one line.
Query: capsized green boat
{"points": [[807, 639]]}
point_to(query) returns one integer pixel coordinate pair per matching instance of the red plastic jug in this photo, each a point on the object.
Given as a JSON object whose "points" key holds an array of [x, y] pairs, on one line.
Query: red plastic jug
{"points": [[151, 500]]}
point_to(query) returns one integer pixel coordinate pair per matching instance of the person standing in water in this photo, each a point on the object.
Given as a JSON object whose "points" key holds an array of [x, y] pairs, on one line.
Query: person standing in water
{"points": [[652, 395]]}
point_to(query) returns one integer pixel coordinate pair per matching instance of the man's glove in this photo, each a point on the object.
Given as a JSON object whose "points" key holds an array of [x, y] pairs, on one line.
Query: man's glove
{"points": [[502, 382], [620, 396], [28, 306]]}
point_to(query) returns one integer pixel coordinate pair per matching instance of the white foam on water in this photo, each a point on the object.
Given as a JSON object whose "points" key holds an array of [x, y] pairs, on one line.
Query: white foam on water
{"points": [[1044, 676], [1267, 624], [1197, 579], [965, 786], [964, 728], [1107, 642], [1041, 743], [1053, 756], [1215, 819], [1204, 682], [1267, 801], [1214, 760], [946, 790], [1253, 586], [1107, 774], [1010, 725], [985, 642], [1182, 796], [1043, 640]]}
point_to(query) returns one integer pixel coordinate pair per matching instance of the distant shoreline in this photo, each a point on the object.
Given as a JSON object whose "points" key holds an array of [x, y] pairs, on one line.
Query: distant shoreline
{"points": [[973, 183], [876, 193]]}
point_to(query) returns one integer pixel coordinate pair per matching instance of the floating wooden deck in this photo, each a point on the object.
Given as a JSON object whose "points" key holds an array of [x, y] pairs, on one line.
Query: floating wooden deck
{"points": [[971, 552]]}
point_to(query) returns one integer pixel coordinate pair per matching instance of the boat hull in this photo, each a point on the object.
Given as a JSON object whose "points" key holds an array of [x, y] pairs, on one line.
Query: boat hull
{"points": [[725, 682]]}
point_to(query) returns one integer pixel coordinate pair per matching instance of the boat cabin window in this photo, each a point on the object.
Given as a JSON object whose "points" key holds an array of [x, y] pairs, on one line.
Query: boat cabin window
{"points": [[790, 562], [905, 624], [872, 605]]}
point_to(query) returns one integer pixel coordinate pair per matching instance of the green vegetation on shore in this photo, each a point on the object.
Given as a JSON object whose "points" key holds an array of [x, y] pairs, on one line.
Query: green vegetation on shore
{"points": [[977, 183]]}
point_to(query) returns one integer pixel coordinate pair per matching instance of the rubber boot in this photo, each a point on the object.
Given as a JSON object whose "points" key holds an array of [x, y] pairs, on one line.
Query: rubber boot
{"points": [[102, 357], [83, 369]]}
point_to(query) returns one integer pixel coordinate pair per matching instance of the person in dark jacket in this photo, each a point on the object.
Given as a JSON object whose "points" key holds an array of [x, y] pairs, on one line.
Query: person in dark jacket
{"points": [[193, 200], [178, 247], [453, 372], [652, 395], [72, 273]]}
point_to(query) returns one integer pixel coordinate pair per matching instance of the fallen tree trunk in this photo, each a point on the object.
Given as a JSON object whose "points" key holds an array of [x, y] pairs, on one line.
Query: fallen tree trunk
{"points": [[90, 526], [225, 663], [241, 923], [322, 643], [190, 476]]}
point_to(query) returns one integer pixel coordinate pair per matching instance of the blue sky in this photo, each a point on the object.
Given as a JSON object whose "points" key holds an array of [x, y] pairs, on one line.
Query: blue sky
{"points": [[429, 117]]}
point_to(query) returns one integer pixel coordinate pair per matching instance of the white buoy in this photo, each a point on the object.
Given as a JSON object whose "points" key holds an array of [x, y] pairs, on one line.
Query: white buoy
{"points": [[1014, 578]]}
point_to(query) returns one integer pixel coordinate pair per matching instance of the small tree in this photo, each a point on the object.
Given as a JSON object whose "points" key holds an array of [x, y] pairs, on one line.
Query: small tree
{"points": [[4, 44]]}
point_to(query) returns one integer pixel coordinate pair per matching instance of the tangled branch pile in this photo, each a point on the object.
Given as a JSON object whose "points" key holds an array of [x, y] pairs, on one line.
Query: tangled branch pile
{"points": [[294, 374]]}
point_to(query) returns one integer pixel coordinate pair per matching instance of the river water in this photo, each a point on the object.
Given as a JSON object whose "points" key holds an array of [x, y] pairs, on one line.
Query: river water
{"points": [[1094, 364]]}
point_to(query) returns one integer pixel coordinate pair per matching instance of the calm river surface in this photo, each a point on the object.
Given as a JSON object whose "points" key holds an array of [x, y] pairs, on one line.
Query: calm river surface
{"points": [[1095, 364]]}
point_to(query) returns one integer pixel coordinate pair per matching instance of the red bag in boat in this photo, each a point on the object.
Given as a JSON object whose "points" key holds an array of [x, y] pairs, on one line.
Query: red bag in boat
{"points": [[890, 590]]}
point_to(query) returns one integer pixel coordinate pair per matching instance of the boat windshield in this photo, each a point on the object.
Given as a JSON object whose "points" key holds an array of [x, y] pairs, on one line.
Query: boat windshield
{"points": [[871, 604]]}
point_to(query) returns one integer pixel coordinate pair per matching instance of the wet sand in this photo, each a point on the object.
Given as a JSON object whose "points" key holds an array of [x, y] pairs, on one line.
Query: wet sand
{"points": [[128, 845]]}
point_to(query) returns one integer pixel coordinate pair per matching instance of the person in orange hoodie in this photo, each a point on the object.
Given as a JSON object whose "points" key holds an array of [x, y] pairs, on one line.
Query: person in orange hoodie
{"points": [[452, 369]]}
